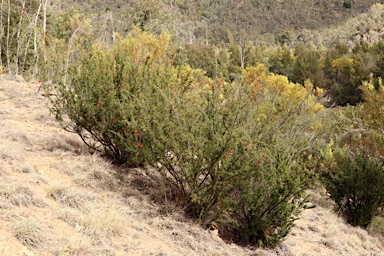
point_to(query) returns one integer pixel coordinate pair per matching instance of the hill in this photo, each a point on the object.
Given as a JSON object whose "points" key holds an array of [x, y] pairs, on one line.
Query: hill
{"points": [[58, 199], [214, 22]]}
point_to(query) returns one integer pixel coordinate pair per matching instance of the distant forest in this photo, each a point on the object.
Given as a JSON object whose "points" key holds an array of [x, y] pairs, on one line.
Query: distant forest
{"points": [[214, 21]]}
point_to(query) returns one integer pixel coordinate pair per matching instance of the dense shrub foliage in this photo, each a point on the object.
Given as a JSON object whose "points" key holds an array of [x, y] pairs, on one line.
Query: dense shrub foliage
{"points": [[98, 100], [233, 152], [355, 182]]}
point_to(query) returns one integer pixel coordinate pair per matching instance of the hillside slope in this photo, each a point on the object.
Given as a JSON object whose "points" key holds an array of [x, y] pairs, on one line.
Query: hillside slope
{"points": [[57, 199], [202, 21]]}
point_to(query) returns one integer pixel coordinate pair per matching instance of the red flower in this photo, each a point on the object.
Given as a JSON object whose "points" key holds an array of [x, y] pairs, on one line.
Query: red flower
{"points": [[218, 204], [138, 91], [139, 145], [257, 163], [138, 132], [104, 121]]}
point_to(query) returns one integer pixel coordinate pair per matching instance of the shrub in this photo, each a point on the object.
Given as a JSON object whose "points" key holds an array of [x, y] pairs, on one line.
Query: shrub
{"points": [[267, 200], [355, 182], [231, 151], [231, 158], [97, 102]]}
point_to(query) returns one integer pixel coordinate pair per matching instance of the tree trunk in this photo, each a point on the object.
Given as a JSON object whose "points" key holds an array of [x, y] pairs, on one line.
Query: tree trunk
{"points": [[8, 36]]}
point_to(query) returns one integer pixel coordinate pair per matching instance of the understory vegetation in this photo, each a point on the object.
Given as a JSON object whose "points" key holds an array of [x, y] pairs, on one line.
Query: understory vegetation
{"points": [[239, 129]]}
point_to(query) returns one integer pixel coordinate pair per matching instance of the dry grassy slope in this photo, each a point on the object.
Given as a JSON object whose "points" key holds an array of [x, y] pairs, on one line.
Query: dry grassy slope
{"points": [[55, 199]]}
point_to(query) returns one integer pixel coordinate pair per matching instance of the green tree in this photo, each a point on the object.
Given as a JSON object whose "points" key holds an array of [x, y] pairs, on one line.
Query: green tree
{"points": [[281, 61], [307, 66], [202, 57]]}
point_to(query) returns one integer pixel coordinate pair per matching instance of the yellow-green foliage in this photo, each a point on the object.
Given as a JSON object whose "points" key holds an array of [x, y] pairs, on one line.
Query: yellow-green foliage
{"points": [[143, 47], [287, 94], [343, 65], [373, 106], [366, 121]]}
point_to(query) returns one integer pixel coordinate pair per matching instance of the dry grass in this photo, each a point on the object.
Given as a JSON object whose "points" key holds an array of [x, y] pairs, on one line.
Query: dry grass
{"points": [[9, 150], [24, 168], [19, 195], [63, 143], [4, 205], [70, 196], [13, 141], [6, 113], [89, 171], [327, 234], [75, 244], [97, 222], [14, 134], [29, 232]]}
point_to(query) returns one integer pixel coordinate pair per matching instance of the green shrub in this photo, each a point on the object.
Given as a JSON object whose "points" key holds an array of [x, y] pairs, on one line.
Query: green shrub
{"points": [[377, 226], [97, 103], [198, 146], [265, 204], [355, 182], [231, 152], [231, 159]]}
